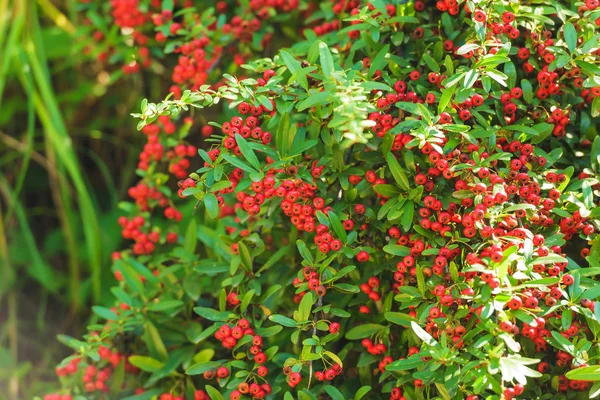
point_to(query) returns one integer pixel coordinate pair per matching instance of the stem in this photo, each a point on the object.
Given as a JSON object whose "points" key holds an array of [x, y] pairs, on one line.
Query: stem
{"points": [[310, 370]]}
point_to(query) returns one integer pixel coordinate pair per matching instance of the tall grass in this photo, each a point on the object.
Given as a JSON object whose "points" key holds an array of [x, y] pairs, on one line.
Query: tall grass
{"points": [[41, 137]]}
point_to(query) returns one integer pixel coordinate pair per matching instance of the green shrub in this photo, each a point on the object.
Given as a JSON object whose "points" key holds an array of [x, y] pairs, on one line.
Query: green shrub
{"points": [[399, 205]]}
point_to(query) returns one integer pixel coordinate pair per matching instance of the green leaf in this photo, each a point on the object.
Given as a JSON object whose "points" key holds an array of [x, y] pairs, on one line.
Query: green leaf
{"points": [[591, 373], [313, 100], [326, 60], [236, 162], [145, 363], [131, 277], [305, 307], [431, 63], [282, 141], [290, 62], [191, 237], [399, 318], [202, 367], [246, 300], [446, 97], [407, 216], [363, 331], [396, 250], [117, 378], [203, 356], [211, 314], [386, 190], [147, 395], [570, 36], [245, 256], [213, 393], [164, 305], [211, 204], [334, 393], [360, 393], [304, 252], [397, 172], [409, 363], [156, 347], [379, 60], [527, 90], [282, 320], [337, 226], [247, 151], [560, 342], [105, 313]]}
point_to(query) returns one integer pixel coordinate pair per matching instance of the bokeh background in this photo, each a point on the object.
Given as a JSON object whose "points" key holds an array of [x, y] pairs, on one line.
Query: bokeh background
{"points": [[68, 153]]}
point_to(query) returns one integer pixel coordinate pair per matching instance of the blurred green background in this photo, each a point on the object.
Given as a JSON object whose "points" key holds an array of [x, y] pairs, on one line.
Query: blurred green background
{"points": [[68, 153]]}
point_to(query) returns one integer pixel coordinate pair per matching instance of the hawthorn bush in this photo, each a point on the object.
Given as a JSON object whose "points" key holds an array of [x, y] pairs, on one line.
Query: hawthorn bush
{"points": [[400, 203]]}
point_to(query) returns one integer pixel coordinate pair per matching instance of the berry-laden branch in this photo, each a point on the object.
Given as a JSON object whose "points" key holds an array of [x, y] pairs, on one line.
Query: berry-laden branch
{"points": [[428, 219]]}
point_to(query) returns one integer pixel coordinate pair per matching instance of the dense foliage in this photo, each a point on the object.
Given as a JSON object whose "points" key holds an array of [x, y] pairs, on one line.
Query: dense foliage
{"points": [[399, 204]]}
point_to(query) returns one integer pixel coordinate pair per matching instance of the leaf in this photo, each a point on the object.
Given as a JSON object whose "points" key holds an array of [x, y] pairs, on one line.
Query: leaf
{"points": [[305, 307], [145, 363], [156, 347], [246, 300], [497, 76], [396, 250], [211, 204], [282, 320], [105, 313], [570, 35], [290, 62], [465, 48], [514, 367], [326, 60], [527, 90], [211, 314], [360, 393], [431, 63], [470, 78], [203, 356], [236, 162], [191, 237], [422, 334], [591, 373], [313, 100], [409, 363], [334, 357], [560, 342], [131, 277], [334, 393], [337, 226], [399, 318], [397, 173], [245, 256], [363, 331], [117, 378], [202, 367], [247, 151], [213, 393], [281, 136], [407, 216], [304, 252], [164, 305], [446, 97], [379, 60]]}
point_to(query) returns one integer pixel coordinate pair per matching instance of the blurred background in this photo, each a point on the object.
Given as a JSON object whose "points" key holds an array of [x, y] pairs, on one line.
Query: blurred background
{"points": [[67, 156]]}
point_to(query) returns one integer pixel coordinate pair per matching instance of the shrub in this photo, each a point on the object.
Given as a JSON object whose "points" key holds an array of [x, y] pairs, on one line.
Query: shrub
{"points": [[402, 208]]}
